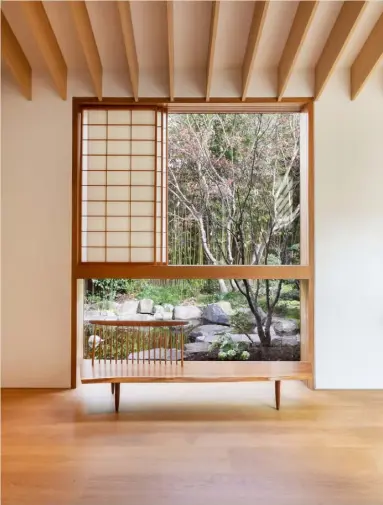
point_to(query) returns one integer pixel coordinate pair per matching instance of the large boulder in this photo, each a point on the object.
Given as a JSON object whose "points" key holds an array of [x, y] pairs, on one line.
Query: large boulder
{"points": [[146, 306], [157, 354], [195, 347], [199, 333], [158, 309], [283, 341], [129, 307], [186, 312], [226, 307], [168, 307], [214, 313], [285, 327]]}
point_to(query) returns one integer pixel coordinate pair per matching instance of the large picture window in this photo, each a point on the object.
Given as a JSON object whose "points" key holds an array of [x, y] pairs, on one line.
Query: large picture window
{"points": [[210, 209]]}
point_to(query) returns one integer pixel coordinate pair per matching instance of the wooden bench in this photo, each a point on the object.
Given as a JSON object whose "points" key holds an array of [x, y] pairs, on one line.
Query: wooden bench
{"points": [[122, 355]]}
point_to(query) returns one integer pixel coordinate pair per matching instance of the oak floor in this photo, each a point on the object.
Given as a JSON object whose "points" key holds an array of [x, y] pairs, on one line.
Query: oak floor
{"points": [[192, 444]]}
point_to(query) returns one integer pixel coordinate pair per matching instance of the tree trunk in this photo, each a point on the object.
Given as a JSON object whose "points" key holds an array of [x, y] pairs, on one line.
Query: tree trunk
{"points": [[222, 286]]}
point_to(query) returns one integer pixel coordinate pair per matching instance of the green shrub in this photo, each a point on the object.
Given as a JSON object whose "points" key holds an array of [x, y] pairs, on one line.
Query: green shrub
{"points": [[228, 349], [241, 323]]}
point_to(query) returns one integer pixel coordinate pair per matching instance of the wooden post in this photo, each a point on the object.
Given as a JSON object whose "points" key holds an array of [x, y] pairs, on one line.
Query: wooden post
{"points": [[277, 394]]}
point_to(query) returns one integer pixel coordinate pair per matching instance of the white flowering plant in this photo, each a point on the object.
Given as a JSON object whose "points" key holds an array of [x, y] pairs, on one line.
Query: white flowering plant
{"points": [[228, 349]]}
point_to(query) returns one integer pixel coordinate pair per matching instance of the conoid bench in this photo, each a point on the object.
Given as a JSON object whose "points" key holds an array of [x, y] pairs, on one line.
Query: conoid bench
{"points": [[152, 351]]}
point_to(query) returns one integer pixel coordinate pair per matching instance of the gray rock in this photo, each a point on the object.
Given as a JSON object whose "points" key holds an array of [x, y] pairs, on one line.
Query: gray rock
{"points": [[159, 316], [94, 339], [226, 307], [197, 347], [158, 309], [129, 307], [138, 317], [167, 316], [168, 307], [186, 312], [241, 337], [251, 316], [91, 314], [281, 341], [285, 327], [213, 313], [200, 332], [146, 306], [157, 354]]}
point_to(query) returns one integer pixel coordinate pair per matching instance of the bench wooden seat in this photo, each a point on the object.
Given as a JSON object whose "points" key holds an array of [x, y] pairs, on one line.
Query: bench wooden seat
{"points": [[194, 371]]}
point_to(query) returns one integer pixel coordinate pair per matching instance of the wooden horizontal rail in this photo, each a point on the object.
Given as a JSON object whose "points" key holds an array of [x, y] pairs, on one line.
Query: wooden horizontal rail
{"points": [[130, 322], [150, 271]]}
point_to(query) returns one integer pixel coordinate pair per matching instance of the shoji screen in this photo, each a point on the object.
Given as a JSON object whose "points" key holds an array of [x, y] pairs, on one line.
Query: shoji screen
{"points": [[123, 192]]}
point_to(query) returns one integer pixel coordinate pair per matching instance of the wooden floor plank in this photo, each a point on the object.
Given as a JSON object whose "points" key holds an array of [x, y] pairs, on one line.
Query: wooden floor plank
{"points": [[191, 444]]}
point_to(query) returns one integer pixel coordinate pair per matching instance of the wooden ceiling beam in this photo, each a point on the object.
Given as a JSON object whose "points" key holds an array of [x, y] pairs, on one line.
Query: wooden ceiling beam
{"points": [[340, 34], [212, 43], [14, 57], [259, 17], [88, 44], [367, 59], [170, 26], [124, 9], [48, 45], [301, 24]]}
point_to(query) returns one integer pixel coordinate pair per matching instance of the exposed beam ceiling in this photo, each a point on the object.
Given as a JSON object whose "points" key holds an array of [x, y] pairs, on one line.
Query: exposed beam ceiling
{"points": [[88, 43], [212, 42], [125, 12], [170, 23], [48, 45], [259, 16], [301, 24], [336, 43], [367, 59], [15, 59]]}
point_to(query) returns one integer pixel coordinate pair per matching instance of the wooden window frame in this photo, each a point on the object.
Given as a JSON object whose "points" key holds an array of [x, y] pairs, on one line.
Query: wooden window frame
{"points": [[303, 272]]}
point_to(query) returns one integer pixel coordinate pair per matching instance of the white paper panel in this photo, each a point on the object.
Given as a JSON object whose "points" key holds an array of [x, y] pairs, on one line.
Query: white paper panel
{"points": [[119, 132], [94, 163], [142, 239], [142, 178], [142, 255], [142, 193], [118, 223], [91, 239], [119, 117], [143, 163], [118, 193], [143, 117], [94, 178], [143, 133], [118, 147], [146, 147], [93, 209], [118, 178], [118, 208], [93, 193], [118, 255], [118, 239], [95, 132], [94, 254], [95, 146], [119, 162], [96, 116], [93, 223], [142, 209], [142, 224]]}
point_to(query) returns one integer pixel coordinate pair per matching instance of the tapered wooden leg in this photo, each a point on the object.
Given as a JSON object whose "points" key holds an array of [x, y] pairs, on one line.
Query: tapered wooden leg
{"points": [[277, 394], [117, 396], [112, 386]]}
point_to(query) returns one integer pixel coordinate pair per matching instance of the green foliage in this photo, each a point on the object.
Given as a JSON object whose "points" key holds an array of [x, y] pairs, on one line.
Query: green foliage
{"points": [[289, 309], [228, 349]]}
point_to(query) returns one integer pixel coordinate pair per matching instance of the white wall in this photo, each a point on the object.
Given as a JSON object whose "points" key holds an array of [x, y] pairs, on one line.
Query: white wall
{"points": [[36, 236], [349, 236]]}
